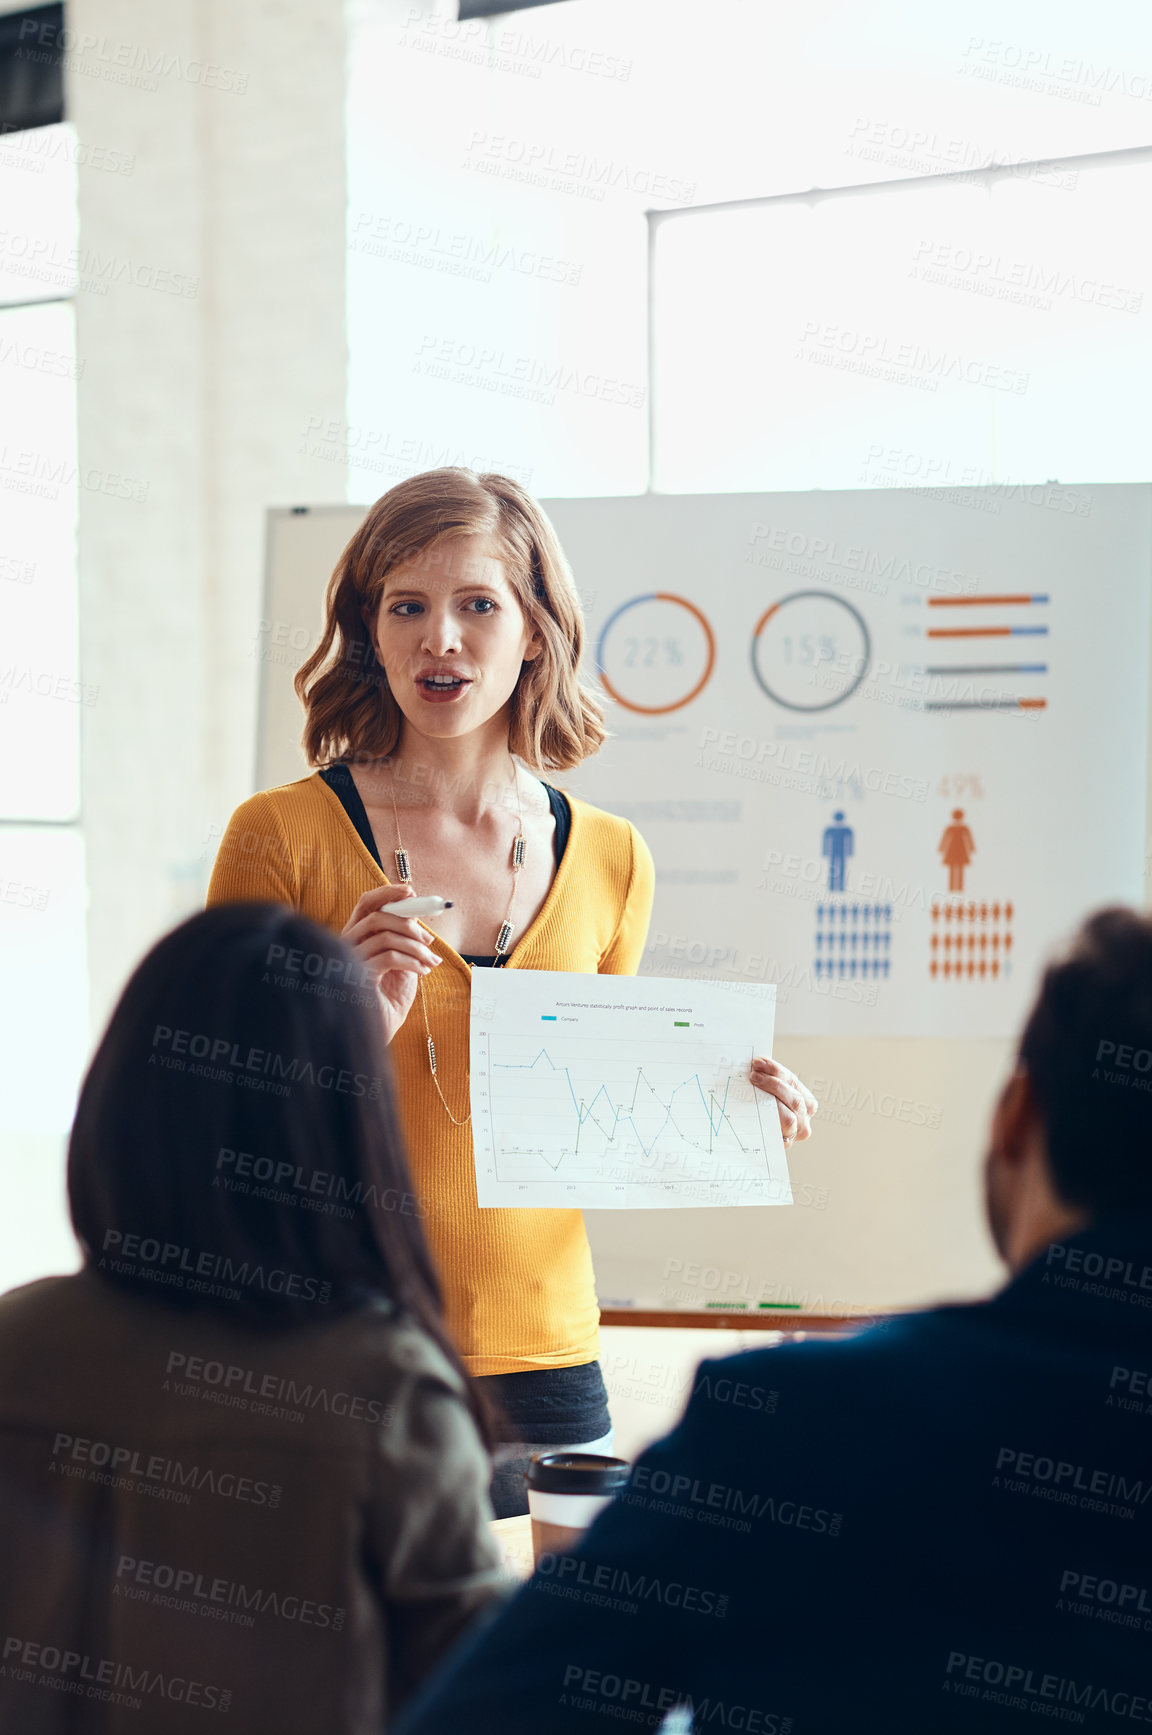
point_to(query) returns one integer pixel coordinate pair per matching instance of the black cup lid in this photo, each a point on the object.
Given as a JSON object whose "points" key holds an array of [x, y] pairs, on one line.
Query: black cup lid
{"points": [[576, 1473]]}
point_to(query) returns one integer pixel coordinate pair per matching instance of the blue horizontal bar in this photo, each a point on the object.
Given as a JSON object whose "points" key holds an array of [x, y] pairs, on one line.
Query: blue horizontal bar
{"points": [[988, 669]]}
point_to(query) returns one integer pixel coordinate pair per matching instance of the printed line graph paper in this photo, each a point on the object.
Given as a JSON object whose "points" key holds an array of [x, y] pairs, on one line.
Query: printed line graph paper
{"points": [[616, 1091]]}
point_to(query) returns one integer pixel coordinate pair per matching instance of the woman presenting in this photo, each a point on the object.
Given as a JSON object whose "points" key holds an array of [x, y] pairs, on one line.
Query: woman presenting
{"points": [[447, 673]]}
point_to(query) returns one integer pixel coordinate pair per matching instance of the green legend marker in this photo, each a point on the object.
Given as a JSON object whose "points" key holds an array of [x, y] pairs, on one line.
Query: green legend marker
{"points": [[726, 1306], [794, 1304], [680, 1024]]}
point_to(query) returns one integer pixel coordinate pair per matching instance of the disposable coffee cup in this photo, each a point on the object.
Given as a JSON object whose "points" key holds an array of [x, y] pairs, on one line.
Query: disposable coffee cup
{"points": [[566, 1491]]}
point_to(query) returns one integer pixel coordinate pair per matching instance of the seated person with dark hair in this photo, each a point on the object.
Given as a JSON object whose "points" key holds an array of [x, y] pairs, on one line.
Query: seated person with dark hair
{"points": [[241, 1466], [944, 1523]]}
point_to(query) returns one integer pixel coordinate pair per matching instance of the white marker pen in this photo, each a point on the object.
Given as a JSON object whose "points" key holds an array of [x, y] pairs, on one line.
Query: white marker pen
{"points": [[418, 907]]}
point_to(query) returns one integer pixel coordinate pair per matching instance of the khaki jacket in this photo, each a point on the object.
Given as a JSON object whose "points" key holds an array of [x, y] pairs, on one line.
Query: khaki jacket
{"points": [[199, 1517]]}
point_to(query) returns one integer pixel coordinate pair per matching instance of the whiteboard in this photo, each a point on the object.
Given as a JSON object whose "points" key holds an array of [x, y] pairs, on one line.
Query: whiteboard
{"points": [[734, 755]]}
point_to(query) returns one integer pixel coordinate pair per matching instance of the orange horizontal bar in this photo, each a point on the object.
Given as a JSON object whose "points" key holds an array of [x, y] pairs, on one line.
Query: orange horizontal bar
{"points": [[974, 601], [968, 633], [1033, 704]]}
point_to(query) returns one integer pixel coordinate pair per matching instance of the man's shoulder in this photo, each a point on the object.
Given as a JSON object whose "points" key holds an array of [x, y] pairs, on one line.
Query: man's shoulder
{"points": [[887, 1355]]}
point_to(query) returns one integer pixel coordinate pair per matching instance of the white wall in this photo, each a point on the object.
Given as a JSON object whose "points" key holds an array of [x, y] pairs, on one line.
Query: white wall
{"points": [[199, 385]]}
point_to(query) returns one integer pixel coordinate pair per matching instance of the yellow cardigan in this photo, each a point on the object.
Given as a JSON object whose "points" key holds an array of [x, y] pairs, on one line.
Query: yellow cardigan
{"points": [[518, 1284]]}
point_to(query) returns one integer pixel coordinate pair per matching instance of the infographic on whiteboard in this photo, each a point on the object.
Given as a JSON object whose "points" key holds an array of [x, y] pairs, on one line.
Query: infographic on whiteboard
{"points": [[622, 1092], [887, 748]]}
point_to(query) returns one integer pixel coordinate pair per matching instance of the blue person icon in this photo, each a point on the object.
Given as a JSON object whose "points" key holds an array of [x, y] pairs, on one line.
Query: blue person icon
{"points": [[838, 847]]}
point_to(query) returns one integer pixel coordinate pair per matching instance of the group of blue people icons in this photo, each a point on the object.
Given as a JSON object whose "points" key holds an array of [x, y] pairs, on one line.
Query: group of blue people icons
{"points": [[859, 915], [851, 939]]}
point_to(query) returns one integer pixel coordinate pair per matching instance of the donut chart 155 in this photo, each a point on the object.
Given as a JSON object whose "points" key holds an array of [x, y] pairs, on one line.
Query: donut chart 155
{"points": [[650, 665], [810, 651]]}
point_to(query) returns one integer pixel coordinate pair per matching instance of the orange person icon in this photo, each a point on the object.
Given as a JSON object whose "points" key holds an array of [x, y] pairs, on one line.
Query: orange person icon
{"points": [[956, 850]]}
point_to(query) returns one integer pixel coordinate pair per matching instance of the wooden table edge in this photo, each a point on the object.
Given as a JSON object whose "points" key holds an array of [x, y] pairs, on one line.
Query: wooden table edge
{"points": [[726, 1319]]}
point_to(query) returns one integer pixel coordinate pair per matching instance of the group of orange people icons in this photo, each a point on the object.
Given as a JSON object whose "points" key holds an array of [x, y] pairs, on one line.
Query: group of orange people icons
{"points": [[969, 942], [979, 949], [972, 939], [974, 912]]}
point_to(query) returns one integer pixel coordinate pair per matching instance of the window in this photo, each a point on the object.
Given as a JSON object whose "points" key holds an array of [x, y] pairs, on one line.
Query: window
{"points": [[928, 333], [501, 169], [43, 1011], [40, 693]]}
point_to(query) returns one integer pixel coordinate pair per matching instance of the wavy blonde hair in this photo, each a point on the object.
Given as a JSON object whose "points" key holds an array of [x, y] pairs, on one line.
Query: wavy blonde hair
{"points": [[350, 711]]}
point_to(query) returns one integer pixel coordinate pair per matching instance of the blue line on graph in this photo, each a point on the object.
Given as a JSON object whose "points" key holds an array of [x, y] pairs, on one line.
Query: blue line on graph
{"points": [[581, 1117]]}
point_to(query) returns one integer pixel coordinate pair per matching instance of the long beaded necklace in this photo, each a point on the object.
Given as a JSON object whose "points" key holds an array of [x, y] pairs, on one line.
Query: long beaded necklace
{"points": [[503, 937]]}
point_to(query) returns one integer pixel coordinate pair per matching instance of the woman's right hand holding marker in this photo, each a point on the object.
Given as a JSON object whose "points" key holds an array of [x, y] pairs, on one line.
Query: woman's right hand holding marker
{"points": [[393, 947]]}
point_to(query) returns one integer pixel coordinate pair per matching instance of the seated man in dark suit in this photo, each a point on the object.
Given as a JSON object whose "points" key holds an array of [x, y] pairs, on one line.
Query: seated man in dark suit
{"points": [[942, 1524]]}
